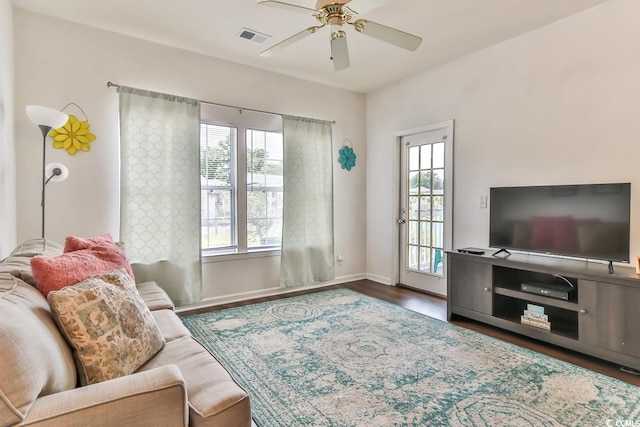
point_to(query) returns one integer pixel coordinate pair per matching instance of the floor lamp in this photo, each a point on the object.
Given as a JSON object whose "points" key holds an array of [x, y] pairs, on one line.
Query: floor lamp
{"points": [[46, 119]]}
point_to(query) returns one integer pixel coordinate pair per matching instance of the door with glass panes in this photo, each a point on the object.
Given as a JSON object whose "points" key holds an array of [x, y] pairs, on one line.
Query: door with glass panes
{"points": [[425, 207]]}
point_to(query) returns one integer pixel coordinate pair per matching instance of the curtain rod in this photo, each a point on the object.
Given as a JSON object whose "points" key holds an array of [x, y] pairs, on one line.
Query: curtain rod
{"points": [[333, 122]]}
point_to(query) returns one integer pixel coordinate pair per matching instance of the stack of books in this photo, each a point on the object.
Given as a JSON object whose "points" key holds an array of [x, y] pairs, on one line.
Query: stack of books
{"points": [[534, 316]]}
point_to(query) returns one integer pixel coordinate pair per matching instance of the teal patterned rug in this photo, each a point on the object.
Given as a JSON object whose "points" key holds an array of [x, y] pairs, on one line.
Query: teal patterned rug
{"points": [[340, 358]]}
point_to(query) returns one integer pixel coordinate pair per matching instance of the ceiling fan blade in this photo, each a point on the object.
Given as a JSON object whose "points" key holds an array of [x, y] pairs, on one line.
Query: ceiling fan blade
{"points": [[388, 34], [288, 6], [339, 50], [291, 40], [364, 6]]}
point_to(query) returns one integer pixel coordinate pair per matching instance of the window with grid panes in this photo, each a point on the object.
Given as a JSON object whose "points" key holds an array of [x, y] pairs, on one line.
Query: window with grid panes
{"points": [[240, 212], [426, 207]]}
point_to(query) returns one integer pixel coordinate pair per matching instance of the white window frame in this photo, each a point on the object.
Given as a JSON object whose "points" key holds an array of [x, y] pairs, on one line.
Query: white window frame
{"points": [[265, 188], [234, 193], [242, 121]]}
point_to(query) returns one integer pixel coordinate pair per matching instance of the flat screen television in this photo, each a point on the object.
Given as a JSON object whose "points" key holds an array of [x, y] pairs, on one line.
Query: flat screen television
{"points": [[587, 221]]}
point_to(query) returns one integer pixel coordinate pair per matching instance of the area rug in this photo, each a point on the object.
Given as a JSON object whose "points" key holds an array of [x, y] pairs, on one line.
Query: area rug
{"points": [[340, 358]]}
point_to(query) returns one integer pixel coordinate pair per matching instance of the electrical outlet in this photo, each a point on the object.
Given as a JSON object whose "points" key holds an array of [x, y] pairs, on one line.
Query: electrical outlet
{"points": [[482, 202], [340, 257]]}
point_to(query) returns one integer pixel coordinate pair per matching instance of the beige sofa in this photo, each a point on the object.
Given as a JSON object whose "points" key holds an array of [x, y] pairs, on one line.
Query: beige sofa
{"points": [[183, 384]]}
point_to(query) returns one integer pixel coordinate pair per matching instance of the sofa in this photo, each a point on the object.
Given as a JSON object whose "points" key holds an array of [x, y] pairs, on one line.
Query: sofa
{"points": [[182, 384]]}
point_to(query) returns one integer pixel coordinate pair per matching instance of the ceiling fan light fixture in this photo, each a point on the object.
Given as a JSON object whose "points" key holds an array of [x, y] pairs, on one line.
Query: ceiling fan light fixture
{"points": [[336, 13], [338, 34]]}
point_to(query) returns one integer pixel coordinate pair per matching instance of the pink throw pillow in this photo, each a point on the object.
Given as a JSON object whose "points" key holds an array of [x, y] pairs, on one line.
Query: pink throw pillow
{"points": [[70, 268], [73, 243]]}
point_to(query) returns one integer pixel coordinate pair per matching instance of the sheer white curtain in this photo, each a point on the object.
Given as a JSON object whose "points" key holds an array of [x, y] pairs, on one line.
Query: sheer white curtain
{"points": [[160, 190], [307, 226]]}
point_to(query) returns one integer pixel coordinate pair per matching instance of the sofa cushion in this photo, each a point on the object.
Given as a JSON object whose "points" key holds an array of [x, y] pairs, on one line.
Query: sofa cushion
{"points": [[35, 359], [106, 322], [18, 263], [170, 325], [215, 399], [33, 247], [69, 268], [154, 296]]}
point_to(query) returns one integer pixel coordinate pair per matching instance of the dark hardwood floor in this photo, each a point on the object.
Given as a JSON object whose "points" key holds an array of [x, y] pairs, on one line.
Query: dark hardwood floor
{"points": [[435, 306]]}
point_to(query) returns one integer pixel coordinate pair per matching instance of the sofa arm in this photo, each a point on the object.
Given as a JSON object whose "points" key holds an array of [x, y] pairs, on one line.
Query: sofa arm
{"points": [[150, 398]]}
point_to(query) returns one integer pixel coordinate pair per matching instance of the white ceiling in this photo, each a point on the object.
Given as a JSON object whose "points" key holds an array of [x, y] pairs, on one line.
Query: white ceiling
{"points": [[449, 28]]}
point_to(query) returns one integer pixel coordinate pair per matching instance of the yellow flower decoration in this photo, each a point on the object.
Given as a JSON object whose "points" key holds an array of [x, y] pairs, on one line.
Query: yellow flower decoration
{"points": [[73, 136]]}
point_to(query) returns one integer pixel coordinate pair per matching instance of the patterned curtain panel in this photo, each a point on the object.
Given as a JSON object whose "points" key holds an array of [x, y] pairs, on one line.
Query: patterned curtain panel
{"points": [[160, 190], [307, 226]]}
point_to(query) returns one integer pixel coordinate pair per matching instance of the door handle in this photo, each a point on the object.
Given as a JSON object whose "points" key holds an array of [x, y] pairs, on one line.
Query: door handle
{"points": [[401, 220]]}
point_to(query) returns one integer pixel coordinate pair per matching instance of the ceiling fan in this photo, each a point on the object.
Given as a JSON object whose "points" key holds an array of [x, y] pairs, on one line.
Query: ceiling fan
{"points": [[336, 13]]}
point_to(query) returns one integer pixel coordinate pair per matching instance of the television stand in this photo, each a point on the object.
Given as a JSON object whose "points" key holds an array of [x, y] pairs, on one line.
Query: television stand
{"points": [[600, 315], [500, 251]]}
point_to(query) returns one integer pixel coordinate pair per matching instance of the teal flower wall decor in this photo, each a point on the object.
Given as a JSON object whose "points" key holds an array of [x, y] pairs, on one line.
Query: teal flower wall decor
{"points": [[347, 158]]}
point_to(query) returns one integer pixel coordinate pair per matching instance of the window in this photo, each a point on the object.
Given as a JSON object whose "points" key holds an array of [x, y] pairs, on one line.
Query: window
{"points": [[264, 188], [217, 185], [426, 207], [241, 212]]}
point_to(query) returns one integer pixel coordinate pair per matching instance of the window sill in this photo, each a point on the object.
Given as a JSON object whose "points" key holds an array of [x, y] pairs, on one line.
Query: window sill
{"points": [[234, 256]]}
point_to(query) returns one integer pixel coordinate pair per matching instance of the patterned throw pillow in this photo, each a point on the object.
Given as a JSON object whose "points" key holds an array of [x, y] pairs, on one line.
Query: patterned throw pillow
{"points": [[120, 277], [108, 325]]}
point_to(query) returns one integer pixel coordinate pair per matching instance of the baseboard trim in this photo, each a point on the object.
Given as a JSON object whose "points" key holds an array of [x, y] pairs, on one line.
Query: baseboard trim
{"points": [[244, 296], [379, 279], [433, 294]]}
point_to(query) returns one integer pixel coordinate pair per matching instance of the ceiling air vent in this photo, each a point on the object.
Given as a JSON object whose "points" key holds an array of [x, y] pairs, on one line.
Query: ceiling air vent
{"points": [[255, 36]]}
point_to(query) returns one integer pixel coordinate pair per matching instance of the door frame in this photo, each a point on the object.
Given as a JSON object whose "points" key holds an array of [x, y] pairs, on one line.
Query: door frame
{"points": [[449, 126]]}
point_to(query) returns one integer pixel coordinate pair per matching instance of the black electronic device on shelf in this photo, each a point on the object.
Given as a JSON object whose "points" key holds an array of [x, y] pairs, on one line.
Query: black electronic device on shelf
{"points": [[552, 290], [549, 289], [474, 251]]}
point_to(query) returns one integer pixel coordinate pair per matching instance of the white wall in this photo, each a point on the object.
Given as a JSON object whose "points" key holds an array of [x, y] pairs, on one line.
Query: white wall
{"points": [[61, 62], [556, 105], [7, 152]]}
